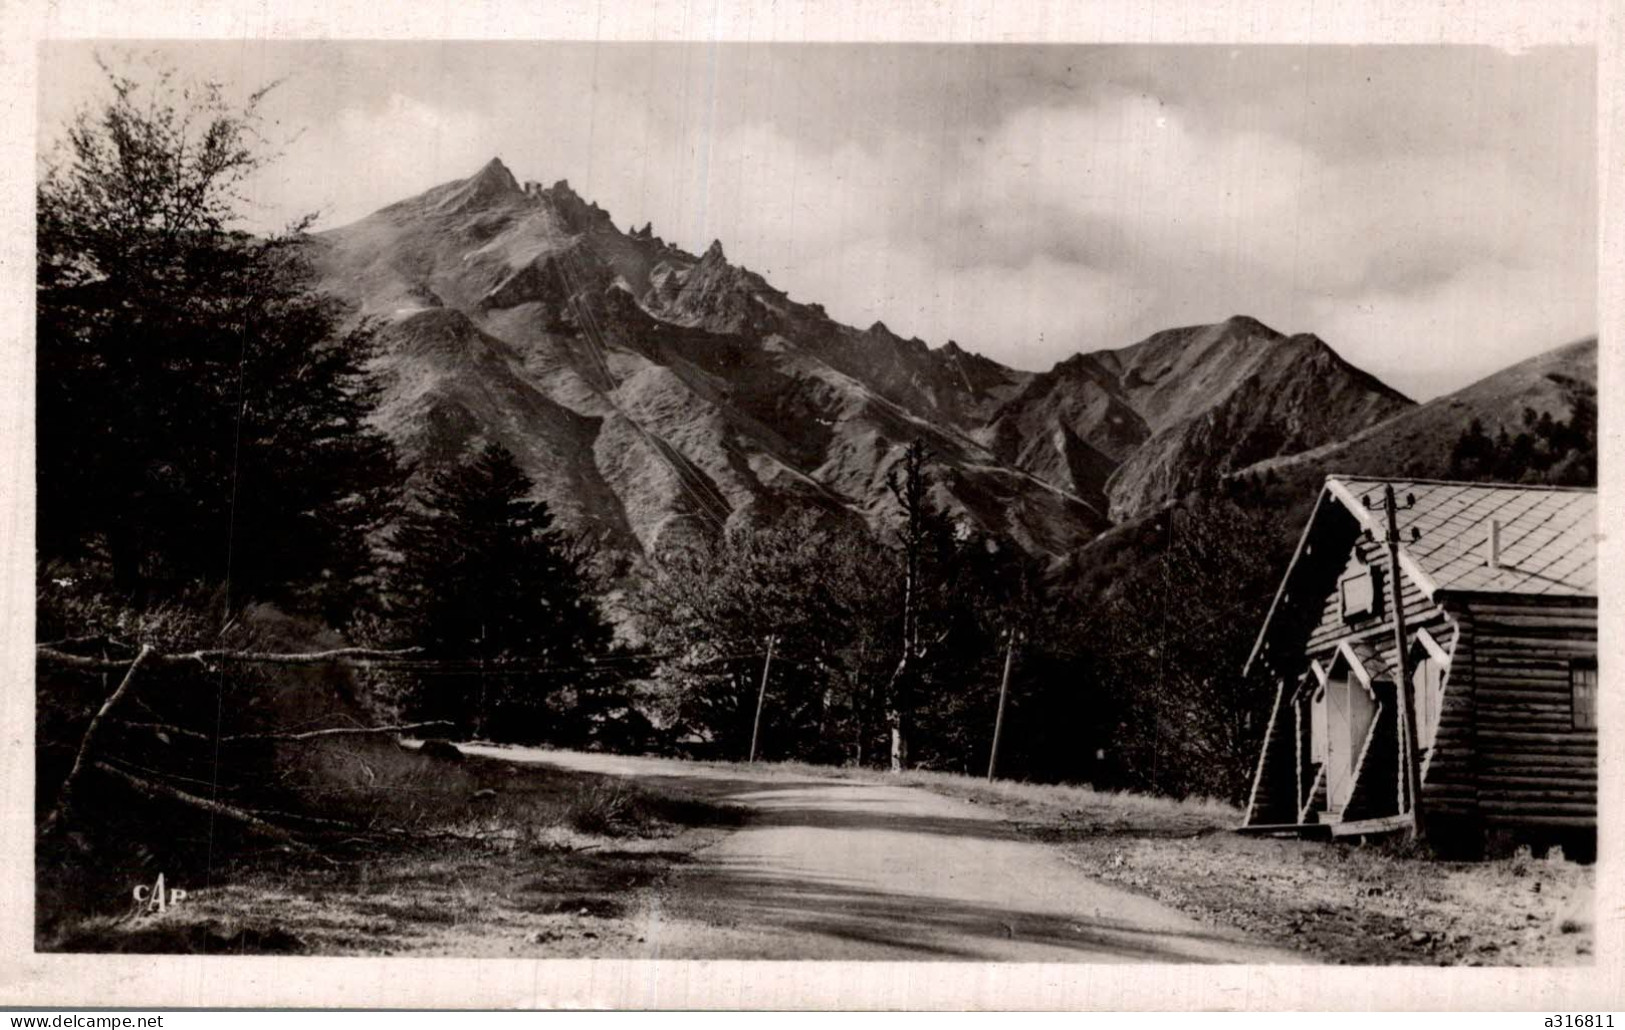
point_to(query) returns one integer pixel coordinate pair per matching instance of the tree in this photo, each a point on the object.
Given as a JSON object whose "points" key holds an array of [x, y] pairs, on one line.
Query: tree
{"points": [[920, 526], [1547, 450], [820, 587], [486, 582], [202, 409], [986, 595], [1170, 641]]}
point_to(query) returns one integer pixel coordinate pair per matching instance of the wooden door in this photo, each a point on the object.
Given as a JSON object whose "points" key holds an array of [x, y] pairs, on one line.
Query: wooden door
{"points": [[1349, 714], [1339, 762]]}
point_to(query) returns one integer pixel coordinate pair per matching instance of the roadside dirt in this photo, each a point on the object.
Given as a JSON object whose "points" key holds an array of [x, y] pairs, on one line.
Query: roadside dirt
{"points": [[1346, 904], [1373, 904]]}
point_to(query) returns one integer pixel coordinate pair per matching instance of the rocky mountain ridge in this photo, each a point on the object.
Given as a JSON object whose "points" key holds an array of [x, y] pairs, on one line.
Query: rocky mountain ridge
{"points": [[653, 393]]}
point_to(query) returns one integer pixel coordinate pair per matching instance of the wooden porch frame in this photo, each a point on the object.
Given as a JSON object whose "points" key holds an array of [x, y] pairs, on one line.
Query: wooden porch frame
{"points": [[1345, 652]]}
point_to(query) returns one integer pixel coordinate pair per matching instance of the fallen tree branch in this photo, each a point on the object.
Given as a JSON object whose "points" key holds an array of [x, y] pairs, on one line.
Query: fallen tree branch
{"points": [[361, 655], [75, 661], [64, 795], [238, 738], [135, 767], [93, 638], [338, 731], [346, 655], [152, 789], [168, 730], [343, 824]]}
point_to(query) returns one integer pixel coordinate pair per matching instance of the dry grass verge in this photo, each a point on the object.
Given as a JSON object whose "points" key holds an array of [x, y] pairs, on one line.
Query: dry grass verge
{"points": [[473, 858]]}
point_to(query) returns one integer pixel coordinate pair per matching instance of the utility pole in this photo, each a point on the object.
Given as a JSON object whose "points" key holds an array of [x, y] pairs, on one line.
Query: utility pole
{"points": [[479, 712], [1004, 692], [761, 695], [1407, 711]]}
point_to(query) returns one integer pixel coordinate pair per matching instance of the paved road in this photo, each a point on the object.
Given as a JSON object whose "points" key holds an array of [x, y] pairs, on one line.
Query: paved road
{"points": [[836, 869]]}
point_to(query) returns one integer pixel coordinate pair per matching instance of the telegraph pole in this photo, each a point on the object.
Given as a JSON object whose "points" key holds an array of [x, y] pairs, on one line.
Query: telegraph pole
{"points": [[1407, 711], [761, 695], [1004, 692]]}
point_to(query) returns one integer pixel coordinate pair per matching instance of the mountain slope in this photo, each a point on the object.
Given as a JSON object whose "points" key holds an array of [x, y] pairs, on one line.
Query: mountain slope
{"points": [[650, 392], [1151, 421], [1419, 442], [1272, 395]]}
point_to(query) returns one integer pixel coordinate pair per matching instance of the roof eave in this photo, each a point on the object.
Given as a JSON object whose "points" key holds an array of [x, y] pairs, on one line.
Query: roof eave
{"points": [[1280, 590], [1457, 594], [1368, 518]]}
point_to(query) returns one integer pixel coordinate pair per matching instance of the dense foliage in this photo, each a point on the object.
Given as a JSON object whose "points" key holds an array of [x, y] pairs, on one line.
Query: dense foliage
{"points": [[818, 587], [1549, 451], [1168, 642], [867, 637], [202, 410]]}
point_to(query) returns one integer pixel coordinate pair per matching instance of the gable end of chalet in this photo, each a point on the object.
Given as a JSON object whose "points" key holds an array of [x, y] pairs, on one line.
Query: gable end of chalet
{"points": [[1497, 585]]}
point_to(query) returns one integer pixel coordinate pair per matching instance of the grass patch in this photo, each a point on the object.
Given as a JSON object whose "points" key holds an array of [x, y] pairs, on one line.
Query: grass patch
{"points": [[479, 857], [1060, 807]]}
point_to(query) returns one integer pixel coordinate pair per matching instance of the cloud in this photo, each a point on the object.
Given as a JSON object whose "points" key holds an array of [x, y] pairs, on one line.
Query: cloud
{"points": [[1031, 315], [409, 145], [1481, 319], [1466, 251], [1026, 202], [1089, 225]]}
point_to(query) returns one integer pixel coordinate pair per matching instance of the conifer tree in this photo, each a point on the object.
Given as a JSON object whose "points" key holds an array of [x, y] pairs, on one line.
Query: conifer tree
{"points": [[487, 582]]}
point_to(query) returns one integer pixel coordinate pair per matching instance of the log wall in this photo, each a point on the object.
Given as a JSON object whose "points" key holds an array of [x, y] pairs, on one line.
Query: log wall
{"points": [[1450, 767], [1533, 768]]}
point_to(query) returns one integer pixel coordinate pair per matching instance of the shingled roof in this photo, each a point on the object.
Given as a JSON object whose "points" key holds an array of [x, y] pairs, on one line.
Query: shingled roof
{"points": [[1548, 535]]}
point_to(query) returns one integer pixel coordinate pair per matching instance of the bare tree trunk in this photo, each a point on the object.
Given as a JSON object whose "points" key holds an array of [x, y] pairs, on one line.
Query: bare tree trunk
{"points": [[153, 789], [910, 489], [64, 797], [894, 716], [898, 700]]}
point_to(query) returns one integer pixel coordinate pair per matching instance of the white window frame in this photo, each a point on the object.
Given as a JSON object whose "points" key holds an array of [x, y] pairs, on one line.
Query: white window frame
{"points": [[1577, 666], [1430, 702], [1318, 728], [1373, 608]]}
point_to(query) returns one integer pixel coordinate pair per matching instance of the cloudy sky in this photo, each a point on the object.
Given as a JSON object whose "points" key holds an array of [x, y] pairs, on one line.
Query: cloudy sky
{"points": [[1428, 211]]}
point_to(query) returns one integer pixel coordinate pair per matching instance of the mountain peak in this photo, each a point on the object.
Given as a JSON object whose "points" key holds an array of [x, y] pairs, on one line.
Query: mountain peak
{"points": [[714, 252], [492, 185], [1249, 324], [496, 174]]}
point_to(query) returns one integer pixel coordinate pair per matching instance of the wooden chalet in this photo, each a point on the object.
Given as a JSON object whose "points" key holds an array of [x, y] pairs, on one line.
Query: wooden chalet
{"points": [[1498, 588]]}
